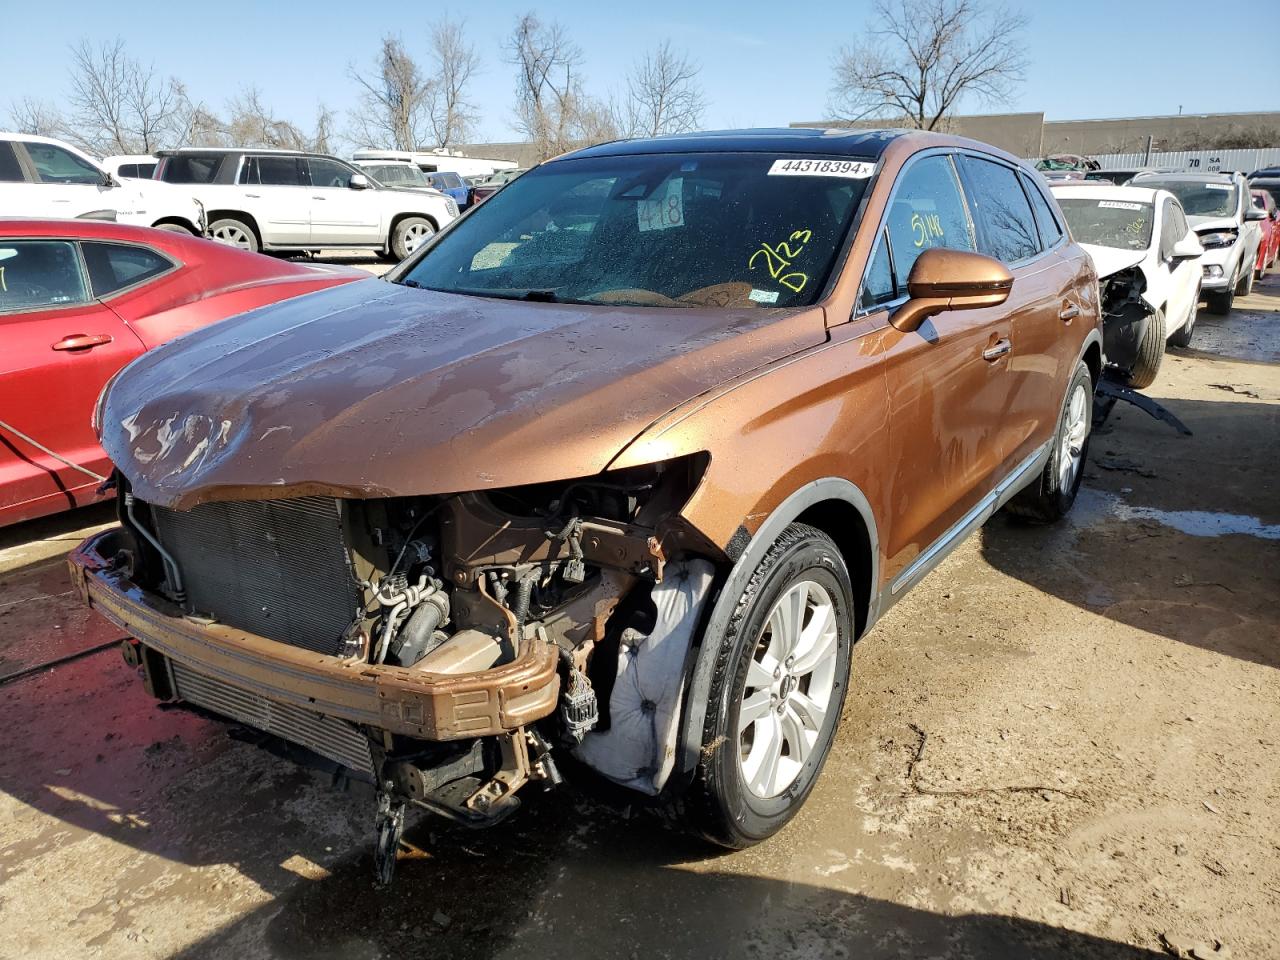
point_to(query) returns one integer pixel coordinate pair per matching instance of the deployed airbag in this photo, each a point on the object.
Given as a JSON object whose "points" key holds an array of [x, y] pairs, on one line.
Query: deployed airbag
{"points": [[639, 748]]}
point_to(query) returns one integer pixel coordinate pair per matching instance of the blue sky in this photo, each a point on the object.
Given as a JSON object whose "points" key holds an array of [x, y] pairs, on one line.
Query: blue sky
{"points": [[762, 63]]}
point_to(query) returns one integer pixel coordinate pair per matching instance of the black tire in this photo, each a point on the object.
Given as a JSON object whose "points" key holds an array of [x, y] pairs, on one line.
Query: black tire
{"points": [[176, 228], [405, 233], [1150, 353], [1244, 286], [1220, 303], [719, 804], [1046, 500], [234, 233], [1182, 336]]}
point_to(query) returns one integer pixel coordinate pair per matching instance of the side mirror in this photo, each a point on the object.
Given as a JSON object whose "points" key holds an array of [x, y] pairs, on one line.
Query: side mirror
{"points": [[951, 280], [1188, 248], [359, 181], [1254, 214]]}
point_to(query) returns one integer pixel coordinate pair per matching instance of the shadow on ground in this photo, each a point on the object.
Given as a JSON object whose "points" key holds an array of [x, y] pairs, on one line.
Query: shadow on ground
{"points": [[1148, 543]]}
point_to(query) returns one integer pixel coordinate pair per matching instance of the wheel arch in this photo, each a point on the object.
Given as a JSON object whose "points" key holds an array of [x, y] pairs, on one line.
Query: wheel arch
{"points": [[838, 508], [178, 222]]}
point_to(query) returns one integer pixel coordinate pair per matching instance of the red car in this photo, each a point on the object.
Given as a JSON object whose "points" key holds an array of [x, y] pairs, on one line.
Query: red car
{"points": [[81, 298], [1269, 248]]}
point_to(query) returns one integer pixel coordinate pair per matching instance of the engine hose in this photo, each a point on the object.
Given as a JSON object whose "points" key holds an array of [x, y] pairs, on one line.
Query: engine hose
{"points": [[524, 592], [414, 640]]}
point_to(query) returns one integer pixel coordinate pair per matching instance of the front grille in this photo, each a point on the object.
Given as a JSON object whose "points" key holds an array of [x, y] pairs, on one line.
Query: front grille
{"points": [[277, 568], [330, 737]]}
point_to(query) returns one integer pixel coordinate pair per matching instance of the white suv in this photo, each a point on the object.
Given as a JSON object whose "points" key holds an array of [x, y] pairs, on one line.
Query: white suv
{"points": [[286, 200], [41, 177], [1222, 214]]}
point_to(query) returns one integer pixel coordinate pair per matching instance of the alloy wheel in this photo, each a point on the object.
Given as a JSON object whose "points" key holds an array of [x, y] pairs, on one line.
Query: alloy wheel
{"points": [[788, 689], [233, 236], [1074, 432]]}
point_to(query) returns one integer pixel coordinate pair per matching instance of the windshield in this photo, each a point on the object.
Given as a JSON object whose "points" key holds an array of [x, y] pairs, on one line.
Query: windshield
{"points": [[1199, 199], [394, 173], [1123, 224], [663, 230]]}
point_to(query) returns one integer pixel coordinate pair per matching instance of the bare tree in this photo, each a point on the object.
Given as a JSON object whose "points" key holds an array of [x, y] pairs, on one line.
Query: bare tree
{"points": [[119, 105], [393, 99], [251, 123], [925, 57], [663, 95], [450, 114], [549, 97], [37, 117]]}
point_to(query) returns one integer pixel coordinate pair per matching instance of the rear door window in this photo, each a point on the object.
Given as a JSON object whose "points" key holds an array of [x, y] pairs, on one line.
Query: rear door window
{"points": [[1006, 226], [1046, 220], [927, 211], [40, 275], [114, 266], [273, 171]]}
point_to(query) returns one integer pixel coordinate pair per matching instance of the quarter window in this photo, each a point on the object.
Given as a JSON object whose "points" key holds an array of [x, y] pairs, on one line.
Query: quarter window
{"points": [[40, 275], [1000, 208], [1169, 234], [926, 211], [114, 266], [878, 286], [56, 165]]}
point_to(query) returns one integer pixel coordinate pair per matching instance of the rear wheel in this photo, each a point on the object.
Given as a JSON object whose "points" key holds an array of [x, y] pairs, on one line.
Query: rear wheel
{"points": [[409, 234], [1150, 353], [234, 233], [1182, 336], [1050, 497], [775, 699]]}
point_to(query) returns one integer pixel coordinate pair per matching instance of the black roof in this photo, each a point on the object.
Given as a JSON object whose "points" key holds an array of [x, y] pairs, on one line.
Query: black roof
{"points": [[208, 151], [863, 144]]}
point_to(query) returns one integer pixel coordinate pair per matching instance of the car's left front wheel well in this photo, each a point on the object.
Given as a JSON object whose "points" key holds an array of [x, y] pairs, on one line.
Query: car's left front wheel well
{"points": [[171, 222]]}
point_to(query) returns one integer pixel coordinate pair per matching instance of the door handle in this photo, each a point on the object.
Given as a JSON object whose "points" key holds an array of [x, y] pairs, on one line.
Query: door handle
{"points": [[997, 350], [1068, 313], [82, 341], [314, 197], [254, 196]]}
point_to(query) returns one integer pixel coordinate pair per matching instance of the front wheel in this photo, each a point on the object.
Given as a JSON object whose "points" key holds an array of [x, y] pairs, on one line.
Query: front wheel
{"points": [[1220, 303], [1150, 353], [176, 228], [1051, 496], [779, 684], [409, 234]]}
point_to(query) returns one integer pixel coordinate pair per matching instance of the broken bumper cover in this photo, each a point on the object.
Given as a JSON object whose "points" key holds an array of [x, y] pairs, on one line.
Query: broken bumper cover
{"points": [[403, 701]]}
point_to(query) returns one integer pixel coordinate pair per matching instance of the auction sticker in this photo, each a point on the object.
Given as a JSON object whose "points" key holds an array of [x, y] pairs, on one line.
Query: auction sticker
{"points": [[1216, 186], [816, 167], [1119, 205]]}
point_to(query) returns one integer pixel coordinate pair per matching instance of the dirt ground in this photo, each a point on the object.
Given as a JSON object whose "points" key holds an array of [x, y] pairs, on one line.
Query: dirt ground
{"points": [[1064, 743]]}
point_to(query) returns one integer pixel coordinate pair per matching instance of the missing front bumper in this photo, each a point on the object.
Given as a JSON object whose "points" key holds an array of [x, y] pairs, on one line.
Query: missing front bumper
{"points": [[395, 699]]}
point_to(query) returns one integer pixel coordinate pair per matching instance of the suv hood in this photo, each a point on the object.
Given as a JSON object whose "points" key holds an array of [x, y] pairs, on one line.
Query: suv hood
{"points": [[372, 389], [1109, 260]]}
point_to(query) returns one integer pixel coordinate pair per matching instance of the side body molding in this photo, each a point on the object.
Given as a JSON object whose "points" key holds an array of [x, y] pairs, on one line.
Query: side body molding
{"points": [[814, 492]]}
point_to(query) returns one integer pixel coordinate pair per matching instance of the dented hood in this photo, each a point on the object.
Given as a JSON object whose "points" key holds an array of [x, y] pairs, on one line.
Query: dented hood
{"points": [[1109, 260], [373, 389]]}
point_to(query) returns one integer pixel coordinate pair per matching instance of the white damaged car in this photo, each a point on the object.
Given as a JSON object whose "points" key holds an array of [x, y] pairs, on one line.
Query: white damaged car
{"points": [[1147, 258], [1219, 208]]}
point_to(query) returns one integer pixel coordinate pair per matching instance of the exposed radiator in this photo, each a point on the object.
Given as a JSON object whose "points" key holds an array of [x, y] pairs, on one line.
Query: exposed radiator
{"points": [[277, 568], [330, 737]]}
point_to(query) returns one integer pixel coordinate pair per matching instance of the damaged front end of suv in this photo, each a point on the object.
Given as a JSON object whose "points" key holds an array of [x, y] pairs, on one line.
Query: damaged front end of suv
{"points": [[438, 647]]}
